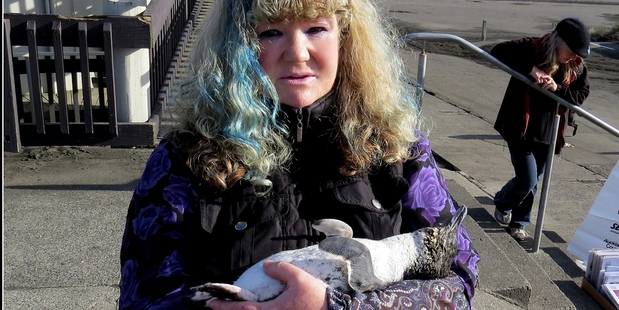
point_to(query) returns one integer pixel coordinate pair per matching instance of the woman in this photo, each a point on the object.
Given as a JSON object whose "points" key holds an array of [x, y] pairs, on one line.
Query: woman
{"points": [[555, 62], [294, 111]]}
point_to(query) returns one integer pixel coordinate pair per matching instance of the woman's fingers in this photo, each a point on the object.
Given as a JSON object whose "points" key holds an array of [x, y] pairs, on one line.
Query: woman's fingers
{"points": [[284, 272], [549, 84]]}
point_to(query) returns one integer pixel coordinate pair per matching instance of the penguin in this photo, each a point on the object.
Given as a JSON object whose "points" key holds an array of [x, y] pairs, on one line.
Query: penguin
{"points": [[348, 264]]}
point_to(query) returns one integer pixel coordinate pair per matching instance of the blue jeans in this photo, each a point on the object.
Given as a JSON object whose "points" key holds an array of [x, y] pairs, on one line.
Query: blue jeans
{"points": [[516, 196]]}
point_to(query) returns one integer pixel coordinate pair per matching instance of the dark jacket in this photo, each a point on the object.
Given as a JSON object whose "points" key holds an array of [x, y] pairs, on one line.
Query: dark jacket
{"points": [[511, 122], [180, 234]]}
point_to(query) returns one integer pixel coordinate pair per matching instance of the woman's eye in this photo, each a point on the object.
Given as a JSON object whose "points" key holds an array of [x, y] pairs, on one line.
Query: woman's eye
{"points": [[268, 34], [314, 30]]}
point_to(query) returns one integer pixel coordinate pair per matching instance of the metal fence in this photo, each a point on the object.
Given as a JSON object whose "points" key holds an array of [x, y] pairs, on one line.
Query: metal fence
{"points": [[67, 64]]}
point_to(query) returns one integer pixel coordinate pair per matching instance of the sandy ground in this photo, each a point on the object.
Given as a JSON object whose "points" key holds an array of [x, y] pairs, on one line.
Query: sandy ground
{"points": [[43, 165]]}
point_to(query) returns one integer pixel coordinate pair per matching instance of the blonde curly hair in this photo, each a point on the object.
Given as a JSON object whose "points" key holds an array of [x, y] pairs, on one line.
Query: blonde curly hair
{"points": [[228, 106]]}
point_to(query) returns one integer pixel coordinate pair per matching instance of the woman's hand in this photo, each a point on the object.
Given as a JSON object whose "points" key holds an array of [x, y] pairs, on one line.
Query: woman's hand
{"points": [[549, 84], [302, 291], [538, 75]]}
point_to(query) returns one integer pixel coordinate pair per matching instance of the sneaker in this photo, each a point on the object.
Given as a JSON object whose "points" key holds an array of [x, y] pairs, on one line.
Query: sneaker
{"points": [[503, 219], [519, 234]]}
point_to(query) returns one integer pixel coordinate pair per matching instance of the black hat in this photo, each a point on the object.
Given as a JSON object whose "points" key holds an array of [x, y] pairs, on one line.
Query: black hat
{"points": [[575, 35]]}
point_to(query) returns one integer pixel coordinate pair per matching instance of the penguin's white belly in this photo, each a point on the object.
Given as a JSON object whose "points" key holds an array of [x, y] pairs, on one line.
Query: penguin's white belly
{"points": [[331, 269]]}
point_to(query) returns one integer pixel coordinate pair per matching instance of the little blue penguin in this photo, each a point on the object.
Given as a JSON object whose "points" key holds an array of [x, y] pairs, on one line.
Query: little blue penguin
{"points": [[347, 264]]}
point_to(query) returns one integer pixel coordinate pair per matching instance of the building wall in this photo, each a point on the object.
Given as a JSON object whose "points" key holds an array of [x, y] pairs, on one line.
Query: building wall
{"points": [[60, 7], [76, 7]]}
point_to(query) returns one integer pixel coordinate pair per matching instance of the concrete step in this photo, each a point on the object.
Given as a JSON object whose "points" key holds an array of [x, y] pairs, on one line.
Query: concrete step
{"points": [[511, 271]]}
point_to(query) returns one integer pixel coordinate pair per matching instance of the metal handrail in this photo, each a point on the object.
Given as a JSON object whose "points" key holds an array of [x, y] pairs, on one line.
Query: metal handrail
{"points": [[426, 36]]}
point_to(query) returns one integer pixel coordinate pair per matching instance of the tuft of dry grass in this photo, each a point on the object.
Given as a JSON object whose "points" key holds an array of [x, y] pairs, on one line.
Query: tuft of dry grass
{"points": [[605, 34]]}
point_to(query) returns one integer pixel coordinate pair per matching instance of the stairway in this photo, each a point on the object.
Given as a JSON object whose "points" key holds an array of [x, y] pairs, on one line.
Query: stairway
{"points": [[168, 119], [510, 271]]}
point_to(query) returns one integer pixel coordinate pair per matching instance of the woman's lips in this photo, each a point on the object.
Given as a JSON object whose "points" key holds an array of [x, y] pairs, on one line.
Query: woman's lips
{"points": [[298, 80]]}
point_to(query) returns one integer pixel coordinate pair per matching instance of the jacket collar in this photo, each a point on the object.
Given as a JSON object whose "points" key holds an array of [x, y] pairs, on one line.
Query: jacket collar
{"points": [[318, 116]]}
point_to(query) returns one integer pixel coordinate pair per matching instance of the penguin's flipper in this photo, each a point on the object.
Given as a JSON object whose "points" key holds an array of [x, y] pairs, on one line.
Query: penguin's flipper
{"points": [[361, 275]]}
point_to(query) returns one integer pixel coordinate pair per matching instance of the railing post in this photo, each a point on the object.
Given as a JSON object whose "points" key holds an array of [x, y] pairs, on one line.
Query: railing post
{"points": [[60, 77], [544, 196], [108, 47], [12, 138], [85, 69], [36, 99], [421, 75]]}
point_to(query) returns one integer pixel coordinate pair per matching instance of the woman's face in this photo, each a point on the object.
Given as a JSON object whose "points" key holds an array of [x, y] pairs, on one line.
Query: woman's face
{"points": [[565, 54], [301, 58]]}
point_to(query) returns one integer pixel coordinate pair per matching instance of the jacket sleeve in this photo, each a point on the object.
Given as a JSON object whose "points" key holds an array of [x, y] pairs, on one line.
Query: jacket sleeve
{"points": [[427, 203], [516, 54], [152, 268]]}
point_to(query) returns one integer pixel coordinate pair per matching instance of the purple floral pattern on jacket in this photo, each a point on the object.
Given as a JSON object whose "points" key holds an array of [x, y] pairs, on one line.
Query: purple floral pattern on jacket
{"points": [[152, 268]]}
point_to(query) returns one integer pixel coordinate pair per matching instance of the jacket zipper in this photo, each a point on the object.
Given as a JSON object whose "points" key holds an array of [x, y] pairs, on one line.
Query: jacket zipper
{"points": [[299, 125]]}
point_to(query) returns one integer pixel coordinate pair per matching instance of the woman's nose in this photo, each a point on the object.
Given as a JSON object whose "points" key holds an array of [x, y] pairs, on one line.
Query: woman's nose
{"points": [[298, 49]]}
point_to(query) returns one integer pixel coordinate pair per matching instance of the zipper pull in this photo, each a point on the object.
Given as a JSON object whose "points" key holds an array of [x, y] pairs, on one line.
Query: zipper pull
{"points": [[299, 125]]}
